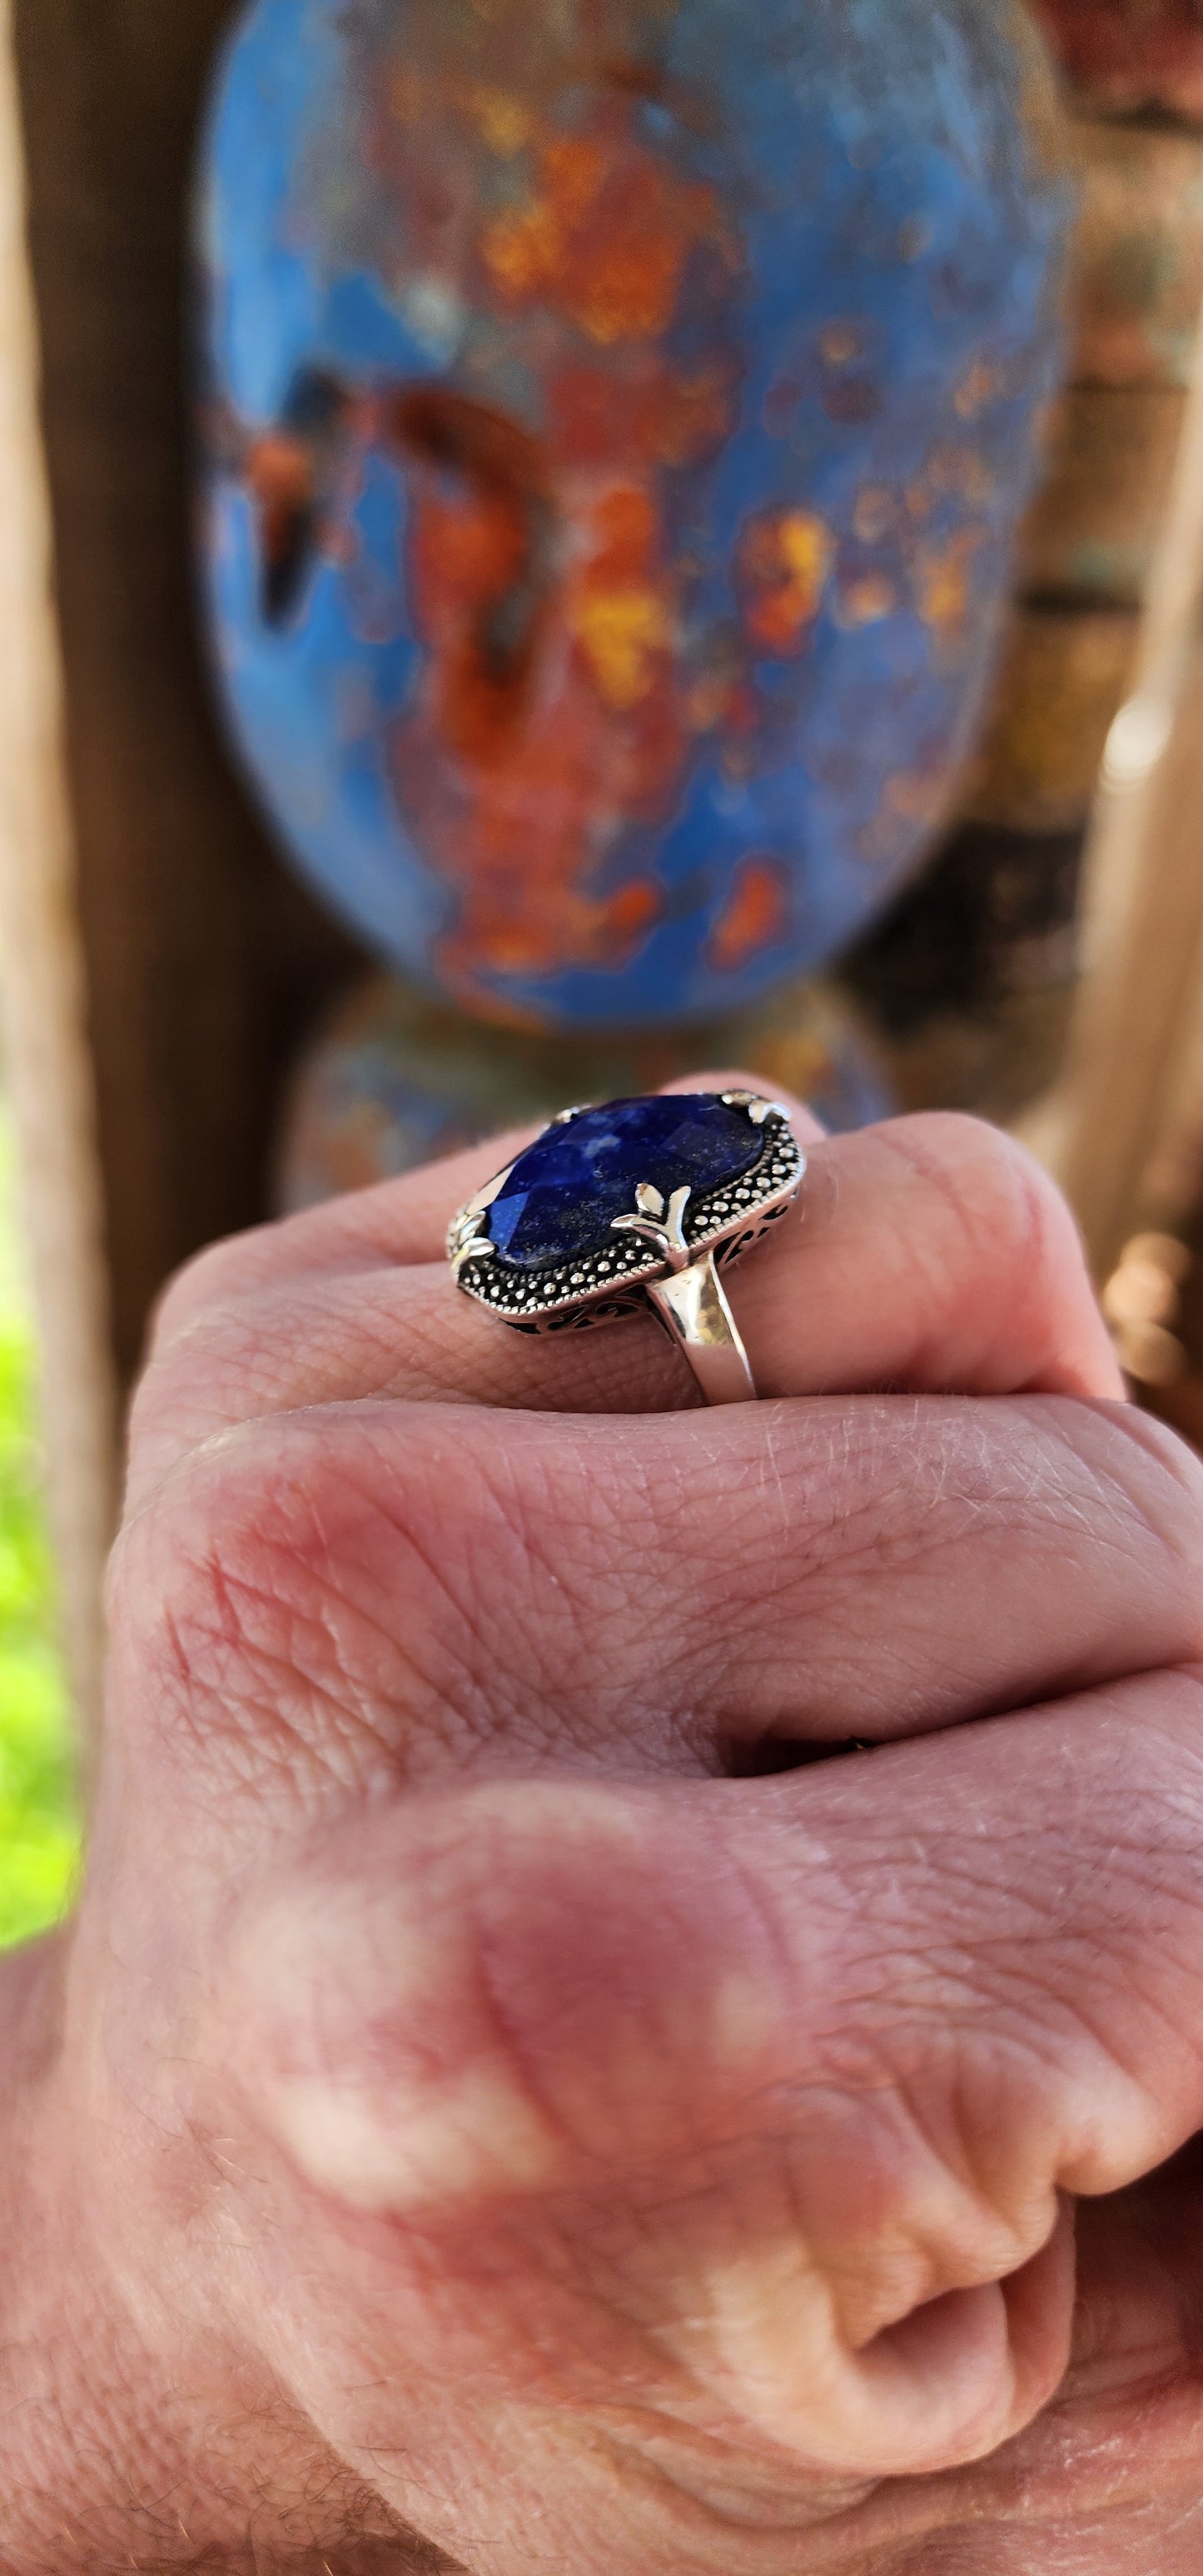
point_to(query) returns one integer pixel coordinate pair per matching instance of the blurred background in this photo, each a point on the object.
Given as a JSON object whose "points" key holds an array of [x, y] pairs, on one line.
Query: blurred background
{"points": [[538, 548]]}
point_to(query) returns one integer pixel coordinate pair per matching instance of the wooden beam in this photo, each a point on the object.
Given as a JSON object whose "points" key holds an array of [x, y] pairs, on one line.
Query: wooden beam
{"points": [[202, 959], [47, 1067], [1143, 924], [156, 963]]}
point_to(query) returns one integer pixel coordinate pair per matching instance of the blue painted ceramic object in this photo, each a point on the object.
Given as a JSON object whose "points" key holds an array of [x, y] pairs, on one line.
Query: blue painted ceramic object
{"points": [[617, 417], [398, 1077]]}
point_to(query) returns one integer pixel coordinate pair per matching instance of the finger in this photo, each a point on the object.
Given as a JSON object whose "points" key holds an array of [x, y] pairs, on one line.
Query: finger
{"points": [[316, 1309], [698, 1592], [931, 1253], [395, 1224], [761, 2098]]}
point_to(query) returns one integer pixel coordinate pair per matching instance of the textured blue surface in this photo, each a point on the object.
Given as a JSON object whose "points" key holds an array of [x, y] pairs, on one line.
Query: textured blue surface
{"points": [[821, 583], [563, 1194]]}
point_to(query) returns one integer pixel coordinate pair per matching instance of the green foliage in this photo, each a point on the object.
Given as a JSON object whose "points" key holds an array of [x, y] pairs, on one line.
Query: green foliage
{"points": [[39, 1834]]}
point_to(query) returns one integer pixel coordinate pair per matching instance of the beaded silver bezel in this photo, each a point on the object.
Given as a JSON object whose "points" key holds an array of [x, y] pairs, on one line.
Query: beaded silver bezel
{"points": [[604, 1287]]}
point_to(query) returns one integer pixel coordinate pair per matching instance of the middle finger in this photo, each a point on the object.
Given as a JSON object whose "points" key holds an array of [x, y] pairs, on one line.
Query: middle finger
{"points": [[928, 1254]]}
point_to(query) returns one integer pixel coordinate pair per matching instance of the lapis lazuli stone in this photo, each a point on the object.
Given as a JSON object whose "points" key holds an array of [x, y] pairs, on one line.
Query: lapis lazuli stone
{"points": [[563, 1194]]}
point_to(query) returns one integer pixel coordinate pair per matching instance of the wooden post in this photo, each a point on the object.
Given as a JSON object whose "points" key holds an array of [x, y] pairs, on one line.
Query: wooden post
{"points": [[1144, 894], [41, 966], [157, 964]]}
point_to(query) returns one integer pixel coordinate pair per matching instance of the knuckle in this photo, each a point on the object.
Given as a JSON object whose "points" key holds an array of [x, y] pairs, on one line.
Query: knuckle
{"points": [[1146, 1488], [1005, 1253], [382, 1582], [206, 1280], [525, 1974], [521, 2008], [249, 1351], [1000, 1196], [203, 1617], [248, 1608], [1161, 1461], [224, 1272], [371, 2048]]}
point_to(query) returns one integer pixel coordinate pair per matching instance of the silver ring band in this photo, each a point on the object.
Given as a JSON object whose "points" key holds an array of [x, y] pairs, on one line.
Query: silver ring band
{"points": [[694, 1308]]}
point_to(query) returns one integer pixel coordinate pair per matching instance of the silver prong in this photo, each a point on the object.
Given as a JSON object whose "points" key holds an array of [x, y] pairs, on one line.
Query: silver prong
{"points": [[758, 1108], [664, 1230], [474, 1250], [648, 1229], [675, 1228], [564, 1117]]}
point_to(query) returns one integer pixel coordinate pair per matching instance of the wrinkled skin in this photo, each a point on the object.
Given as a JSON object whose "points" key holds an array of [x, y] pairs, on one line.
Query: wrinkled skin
{"points": [[492, 2111]]}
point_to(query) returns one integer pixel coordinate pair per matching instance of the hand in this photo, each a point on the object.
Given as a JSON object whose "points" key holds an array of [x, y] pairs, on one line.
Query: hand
{"points": [[496, 2109]]}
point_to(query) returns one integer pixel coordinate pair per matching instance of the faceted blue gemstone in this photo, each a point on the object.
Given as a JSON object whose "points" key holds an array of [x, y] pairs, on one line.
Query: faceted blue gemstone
{"points": [[564, 1192]]}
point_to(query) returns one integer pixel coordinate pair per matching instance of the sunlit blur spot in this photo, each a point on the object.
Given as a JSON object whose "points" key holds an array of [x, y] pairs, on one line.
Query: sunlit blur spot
{"points": [[1136, 741], [1141, 1302]]}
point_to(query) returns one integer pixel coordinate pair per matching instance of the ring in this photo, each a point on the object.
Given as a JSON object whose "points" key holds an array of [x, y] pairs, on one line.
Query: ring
{"points": [[632, 1204]]}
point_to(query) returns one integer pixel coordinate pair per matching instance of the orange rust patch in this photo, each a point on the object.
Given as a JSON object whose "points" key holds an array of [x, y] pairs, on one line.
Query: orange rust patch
{"points": [[840, 343], [630, 914], [476, 561], [574, 171], [874, 513], [621, 633], [605, 238], [621, 610], [690, 416], [281, 475], [785, 560], [977, 390], [545, 578], [524, 250], [942, 578], [624, 531], [406, 95], [755, 917], [279, 471], [594, 737], [503, 121], [648, 415], [631, 284], [709, 700], [866, 601]]}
